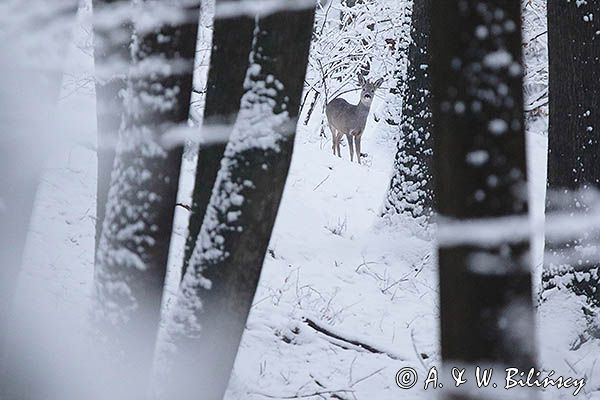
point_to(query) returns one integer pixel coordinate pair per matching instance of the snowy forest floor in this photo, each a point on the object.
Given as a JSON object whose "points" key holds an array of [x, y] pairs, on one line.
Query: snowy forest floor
{"points": [[332, 262]]}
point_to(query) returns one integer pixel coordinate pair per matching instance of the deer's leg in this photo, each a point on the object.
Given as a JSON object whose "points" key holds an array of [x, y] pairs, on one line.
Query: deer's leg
{"points": [[333, 138], [350, 146], [357, 143], [337, 144]]}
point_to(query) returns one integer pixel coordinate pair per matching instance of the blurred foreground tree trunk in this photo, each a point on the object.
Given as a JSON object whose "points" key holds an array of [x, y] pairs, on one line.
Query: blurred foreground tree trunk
{"points": [[487, 315], [134, 245], [411, 188], [33, 45], [231, 46], [218, 288], [112, 56], [573, 144]]}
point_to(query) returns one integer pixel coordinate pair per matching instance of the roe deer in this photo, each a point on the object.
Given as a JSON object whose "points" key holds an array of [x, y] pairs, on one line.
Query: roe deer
{"points": [[350, 120]]}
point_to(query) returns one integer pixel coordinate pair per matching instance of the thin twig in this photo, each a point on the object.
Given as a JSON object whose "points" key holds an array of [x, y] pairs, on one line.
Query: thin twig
{"points": [[187, 207], [304, 396], [322, 182], [367, 377], [412, 336], [345, 341]]}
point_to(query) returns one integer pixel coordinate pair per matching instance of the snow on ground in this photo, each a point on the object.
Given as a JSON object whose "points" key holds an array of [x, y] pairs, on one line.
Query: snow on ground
{"points": [[333, 261]]}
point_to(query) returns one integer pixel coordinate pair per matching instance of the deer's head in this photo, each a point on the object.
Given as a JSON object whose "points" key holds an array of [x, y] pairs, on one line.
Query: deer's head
{"points": [[368, 89]]}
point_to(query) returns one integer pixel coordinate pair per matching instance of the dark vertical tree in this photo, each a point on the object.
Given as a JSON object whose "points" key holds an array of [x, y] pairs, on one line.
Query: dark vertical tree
{"points": [[398, 43], [481, 185], [231, 46], [411, 188], [219, 286], [573, 165], [134, 245], [112, 57]]}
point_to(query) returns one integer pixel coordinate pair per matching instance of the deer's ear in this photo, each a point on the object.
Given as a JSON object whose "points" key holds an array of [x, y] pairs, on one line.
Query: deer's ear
{"points": [[361, 80], [378, 83]]}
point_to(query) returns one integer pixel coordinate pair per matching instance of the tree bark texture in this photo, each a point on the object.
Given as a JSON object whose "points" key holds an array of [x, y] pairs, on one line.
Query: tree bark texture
{"points": [[411, 188], [134, 246], [481, 185], [219, 286], [573, 144], [231, 46], [112, 57]]}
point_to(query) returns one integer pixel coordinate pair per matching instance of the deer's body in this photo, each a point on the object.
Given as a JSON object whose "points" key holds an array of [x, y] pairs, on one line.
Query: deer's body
{"points": [[349, 119]]}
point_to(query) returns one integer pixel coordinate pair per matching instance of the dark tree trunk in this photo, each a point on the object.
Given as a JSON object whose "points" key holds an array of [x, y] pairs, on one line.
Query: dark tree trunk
{"points": [[481, 185], [399, 44], [218, 288], [232, 43], [574, 101], [411, 188], [112, 57], [134, 245]]}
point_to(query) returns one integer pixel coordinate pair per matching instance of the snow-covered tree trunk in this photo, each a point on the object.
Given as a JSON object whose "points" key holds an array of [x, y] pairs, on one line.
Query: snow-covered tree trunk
{"points": [[486, 305], [398, 43], [112, 57], [134, 245], [231, 46], [573, 144], [217, 290], [411, 191]]}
